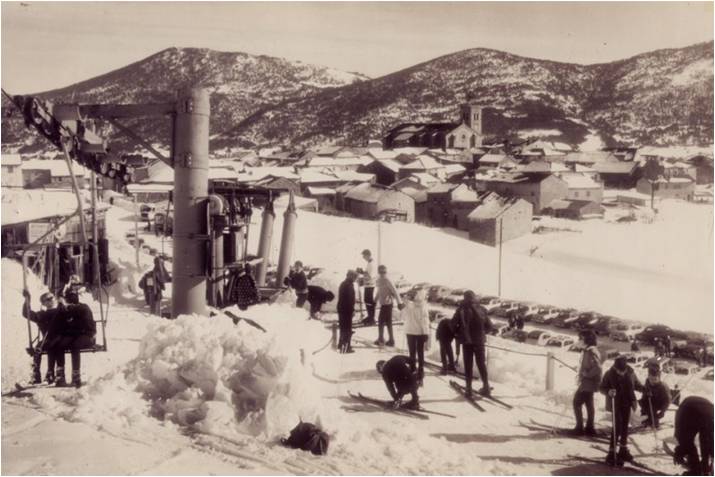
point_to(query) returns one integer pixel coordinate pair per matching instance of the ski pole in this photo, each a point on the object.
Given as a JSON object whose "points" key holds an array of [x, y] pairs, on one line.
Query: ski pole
{"points": [[652, 422]]}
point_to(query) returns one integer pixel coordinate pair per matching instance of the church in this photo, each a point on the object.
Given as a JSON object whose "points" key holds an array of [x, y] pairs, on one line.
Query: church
{"points": [[466, 134]]}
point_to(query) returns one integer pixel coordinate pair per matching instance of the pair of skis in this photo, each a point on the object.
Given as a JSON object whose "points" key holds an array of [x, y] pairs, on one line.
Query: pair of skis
{"points": [[474, 397], [557, 431], [632, 463], [419, 412]]}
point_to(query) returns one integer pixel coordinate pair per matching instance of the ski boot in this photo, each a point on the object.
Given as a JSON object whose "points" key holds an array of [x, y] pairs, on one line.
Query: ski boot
{"points": [[379, 342], [413, 404], [576, 431], [485, 391], [611, 457], [444, 371], [590, 431], [623, 456], [390, 343], [76, 379], [50, 377], [60, 380]]}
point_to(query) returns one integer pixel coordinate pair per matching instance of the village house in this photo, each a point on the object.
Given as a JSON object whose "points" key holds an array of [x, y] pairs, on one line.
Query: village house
{"points": [[324, 196], [422, 164], [537, 189], [574, 209], [369, 201], [498, 219], [588, 158], [617, 175], [280, 184], [703, 168], [11, 170], [582, 187], [39, 173], [463, 135], [668, 187], [418, 191], [497, 160], [386, 171]]}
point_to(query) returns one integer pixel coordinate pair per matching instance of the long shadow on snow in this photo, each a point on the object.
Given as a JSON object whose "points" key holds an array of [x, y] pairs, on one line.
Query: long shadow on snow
{"points": [[594, 469]]}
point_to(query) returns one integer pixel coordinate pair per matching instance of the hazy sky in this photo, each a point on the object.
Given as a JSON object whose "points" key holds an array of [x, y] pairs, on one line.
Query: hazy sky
{"points": [[49, 45]]}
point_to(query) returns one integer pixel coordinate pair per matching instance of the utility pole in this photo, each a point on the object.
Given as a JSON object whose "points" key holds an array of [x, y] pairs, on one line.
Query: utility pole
{"points": [[501, 228], [136, 232], [95, 234], [191, 183]]}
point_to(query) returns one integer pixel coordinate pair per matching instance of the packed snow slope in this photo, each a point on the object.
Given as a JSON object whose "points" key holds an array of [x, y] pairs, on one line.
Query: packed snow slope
{"points": [[659, 272], [202, 395]]}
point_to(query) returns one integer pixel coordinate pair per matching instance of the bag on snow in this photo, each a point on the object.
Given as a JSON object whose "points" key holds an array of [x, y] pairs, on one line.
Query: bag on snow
{"points": [[308, 437]]}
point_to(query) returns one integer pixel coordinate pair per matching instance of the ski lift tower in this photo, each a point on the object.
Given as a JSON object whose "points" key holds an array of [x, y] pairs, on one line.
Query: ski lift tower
{"points": [[64, 126]]}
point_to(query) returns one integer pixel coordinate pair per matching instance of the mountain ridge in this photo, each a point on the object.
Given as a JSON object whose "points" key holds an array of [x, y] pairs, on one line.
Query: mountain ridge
{"points": [[658, 98]]}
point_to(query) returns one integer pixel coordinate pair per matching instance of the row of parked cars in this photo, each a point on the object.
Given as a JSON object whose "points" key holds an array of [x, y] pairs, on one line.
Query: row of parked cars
{"points": [[684, 345]]}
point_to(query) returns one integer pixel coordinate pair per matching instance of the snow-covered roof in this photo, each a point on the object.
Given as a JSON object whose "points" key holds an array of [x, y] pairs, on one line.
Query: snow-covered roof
{"points": [[11, 159], [441, 188], [390, 164], [492, 206], [308, 176], [418, 194], [382, 153], [320, 191], [25, 205], [582, 168], [462, 193], [490, 158], [353, 176], [424, 178], [414, 151], [615, 167], [138, 187], [365, 193], [217, 173], [305, 203], [576, 180], [423, 163], [57, 168], [252, 174]]}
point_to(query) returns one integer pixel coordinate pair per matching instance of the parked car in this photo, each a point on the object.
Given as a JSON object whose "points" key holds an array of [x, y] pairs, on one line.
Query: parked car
{"points": [[533, 310], [650, 333], [492, 305], [454, 298], [546, 318], [601, 327], [637, 359], [561, 341], [608, 353], [516, 311], [687, 351], [684, 368], [565, 320], [544, 338], [621, 336], [708, 374], [534, 334], [487, 299], [577, 347], [435, 293]]}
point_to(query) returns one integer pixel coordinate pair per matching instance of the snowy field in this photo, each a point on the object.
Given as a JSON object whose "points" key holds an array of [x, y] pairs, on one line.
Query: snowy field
{"points": [[201, 395]]}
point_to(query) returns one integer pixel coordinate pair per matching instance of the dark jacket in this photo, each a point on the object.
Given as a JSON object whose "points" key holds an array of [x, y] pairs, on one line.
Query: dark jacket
{"points": [[46, 320], [77, 321], [471, 323], [625, 385], [152, 281], [298, 281], [659, 397], [346, 298], [319, 295], [694, 416], [397, 376], [444, 331]]}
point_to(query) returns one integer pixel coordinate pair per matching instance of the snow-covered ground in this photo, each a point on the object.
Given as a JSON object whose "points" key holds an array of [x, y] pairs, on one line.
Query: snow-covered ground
{"points": [[201, 395]]}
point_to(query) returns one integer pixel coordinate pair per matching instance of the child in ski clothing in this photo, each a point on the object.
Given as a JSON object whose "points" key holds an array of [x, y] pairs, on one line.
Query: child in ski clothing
{"points": [[445, 336], [589, 377], [298, 282], [656, 396], [367, 280], [153, 285], [417, 330], [399, 379], [471, 324], [346, 309], [386, 295], [619, 385], [694, 417]]}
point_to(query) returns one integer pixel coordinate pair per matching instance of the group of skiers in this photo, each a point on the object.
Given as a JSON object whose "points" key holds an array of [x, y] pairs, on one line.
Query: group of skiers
{"points": [[619, 384], [65, 325]]}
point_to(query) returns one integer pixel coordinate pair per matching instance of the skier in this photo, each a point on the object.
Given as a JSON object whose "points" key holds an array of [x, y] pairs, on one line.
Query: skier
{"points": [[694, 417], [668, 343], [400, 380], [299, 282], [417, 330], [153, 285], [656, 398], [75, 332], [317, 296], [445, 336], [346, 309], [471, 324], [368, 284], [659, 350], [589, 377], [46, 322], [385, 296], [619, 385]]}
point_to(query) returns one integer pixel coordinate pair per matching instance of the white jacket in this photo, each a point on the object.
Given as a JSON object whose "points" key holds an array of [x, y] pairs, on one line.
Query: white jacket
{"points": [[416, 316]]}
